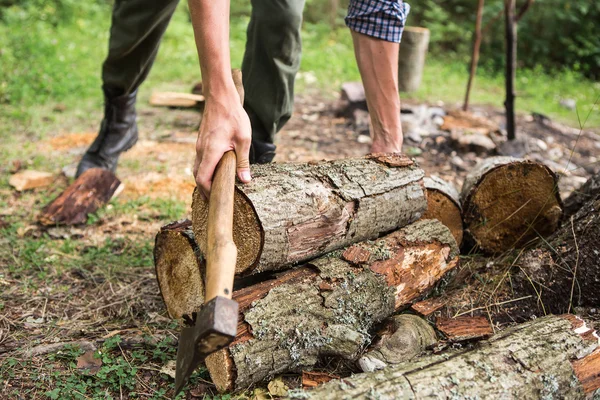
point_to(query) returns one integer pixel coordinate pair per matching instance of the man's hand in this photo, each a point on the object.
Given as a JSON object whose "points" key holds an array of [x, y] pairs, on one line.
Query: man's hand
{"points": [[225, 126]]}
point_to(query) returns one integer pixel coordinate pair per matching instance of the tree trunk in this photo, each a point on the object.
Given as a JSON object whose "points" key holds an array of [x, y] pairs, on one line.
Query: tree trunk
{"points": [[327, 308], [475, 56], [507, 202], [443, 204], [511, 66], [578, 198], [411, 59], [94, 188], [291, 213], [528, 361], [564, 271], [179, 268], [400, 339]]}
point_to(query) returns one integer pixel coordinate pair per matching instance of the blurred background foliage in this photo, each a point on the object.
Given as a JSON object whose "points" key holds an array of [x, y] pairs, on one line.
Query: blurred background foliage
{"points": [[51, 50]]}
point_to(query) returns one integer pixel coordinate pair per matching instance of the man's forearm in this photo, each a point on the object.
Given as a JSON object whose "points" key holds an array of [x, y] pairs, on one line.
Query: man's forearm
{"points": [[210, 20]]}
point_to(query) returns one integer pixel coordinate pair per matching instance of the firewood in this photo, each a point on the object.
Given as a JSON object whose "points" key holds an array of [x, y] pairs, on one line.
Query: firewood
{"points": [[402, 338], [179, 268], [94, 188], [507, 202], [292, 213], [460, 329], [30, 179], [326, 308], [352, 98], [563, 272], [174, 99], [534, 360], [443, 204]]}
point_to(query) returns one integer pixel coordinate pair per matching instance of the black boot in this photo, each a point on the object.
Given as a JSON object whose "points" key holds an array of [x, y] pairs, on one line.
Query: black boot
{"points": [[118, 132], [261, 152]]}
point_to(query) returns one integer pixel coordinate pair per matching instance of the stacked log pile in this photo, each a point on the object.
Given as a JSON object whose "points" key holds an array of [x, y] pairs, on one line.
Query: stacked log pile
{"points": [[332, 254]]}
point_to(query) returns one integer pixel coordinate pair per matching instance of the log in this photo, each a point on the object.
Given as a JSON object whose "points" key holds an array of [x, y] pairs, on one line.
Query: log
{"points": [[402, 338], [174, 99], [507, 202], [292, 213], [579, 197], [534, 360], [564, 271], [443, 204], [93, 189], [327, 307], [30, 179], [411, 59], [179, 269]]}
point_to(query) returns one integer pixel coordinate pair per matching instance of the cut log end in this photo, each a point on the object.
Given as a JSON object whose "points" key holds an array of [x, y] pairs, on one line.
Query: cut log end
{"points": [[247, 231], [443, 204], [178, 270], [222, 371], [509, 204]]}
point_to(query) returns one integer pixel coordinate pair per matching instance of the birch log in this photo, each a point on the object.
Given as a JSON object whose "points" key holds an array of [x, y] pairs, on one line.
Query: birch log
{"points": [[539, 359], [291, 213], [507, 202], [327, 308]]}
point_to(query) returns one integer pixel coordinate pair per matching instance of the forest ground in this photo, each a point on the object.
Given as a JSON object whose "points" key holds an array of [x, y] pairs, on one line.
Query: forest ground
{"points": [[93, 286]]}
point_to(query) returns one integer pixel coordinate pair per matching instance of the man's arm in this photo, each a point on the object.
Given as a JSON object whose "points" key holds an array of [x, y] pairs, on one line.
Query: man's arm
{"points": [[225, 125]]}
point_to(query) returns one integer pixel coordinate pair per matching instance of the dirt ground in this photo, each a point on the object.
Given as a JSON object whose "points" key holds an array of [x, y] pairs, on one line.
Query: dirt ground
{"points": [[92, 287]]}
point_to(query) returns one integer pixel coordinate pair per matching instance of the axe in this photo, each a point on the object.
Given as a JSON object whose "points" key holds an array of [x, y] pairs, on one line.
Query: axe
{"points": [[216, 321]]}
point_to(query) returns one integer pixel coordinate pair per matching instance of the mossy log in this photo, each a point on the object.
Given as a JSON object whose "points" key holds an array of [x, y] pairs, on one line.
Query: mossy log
{"points": [[507, 202], [292, 213], [579, 197], [328, 307], [564, 272], [401, 338], [179, 268], [540, 359], [443, 204]]}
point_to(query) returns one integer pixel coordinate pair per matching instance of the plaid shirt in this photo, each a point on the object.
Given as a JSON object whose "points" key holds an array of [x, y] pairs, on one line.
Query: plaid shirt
{"points": [[382, 19]]}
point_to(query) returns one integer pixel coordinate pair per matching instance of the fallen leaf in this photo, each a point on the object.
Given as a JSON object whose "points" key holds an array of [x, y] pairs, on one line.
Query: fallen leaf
{"points": [[88, 362], [259, 394], [277, 387], [169, 368]]}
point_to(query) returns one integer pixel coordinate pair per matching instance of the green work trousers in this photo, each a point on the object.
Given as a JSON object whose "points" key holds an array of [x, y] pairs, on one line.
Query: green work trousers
{"points": [[271, 59]]}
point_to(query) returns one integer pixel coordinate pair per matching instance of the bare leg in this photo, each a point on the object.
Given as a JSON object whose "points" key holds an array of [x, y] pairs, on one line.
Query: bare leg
{"points": [[378, 65]]}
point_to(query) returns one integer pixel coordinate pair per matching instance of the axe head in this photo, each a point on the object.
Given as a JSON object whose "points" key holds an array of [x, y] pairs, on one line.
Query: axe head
{"points": [[215, 328]]}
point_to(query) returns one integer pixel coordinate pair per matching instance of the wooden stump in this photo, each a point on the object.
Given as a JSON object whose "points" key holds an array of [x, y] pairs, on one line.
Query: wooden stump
{"points": [[508, 202], [411, 60], [443, 204], [94, 188], [327, 308], [541, 359], [291, 213], [179, 270]]}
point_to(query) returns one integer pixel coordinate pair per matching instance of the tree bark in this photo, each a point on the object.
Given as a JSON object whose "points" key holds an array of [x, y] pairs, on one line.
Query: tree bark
{"points": [[443, 204], [578, 198], [94, 188], [534, 360], [326, 308], [411, 59], [475, 55], [508, 202], [564, 271], [511, 66], [291, 213]]}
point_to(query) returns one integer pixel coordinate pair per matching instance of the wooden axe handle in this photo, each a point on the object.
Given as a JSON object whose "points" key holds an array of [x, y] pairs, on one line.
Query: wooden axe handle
{"points": [[221, 255]]}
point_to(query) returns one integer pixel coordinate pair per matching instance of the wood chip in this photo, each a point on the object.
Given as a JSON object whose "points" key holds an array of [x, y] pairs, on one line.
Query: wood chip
{"points": [[464, 328], [429, 306], [174, 99], [30, 179], [314, 378]]}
